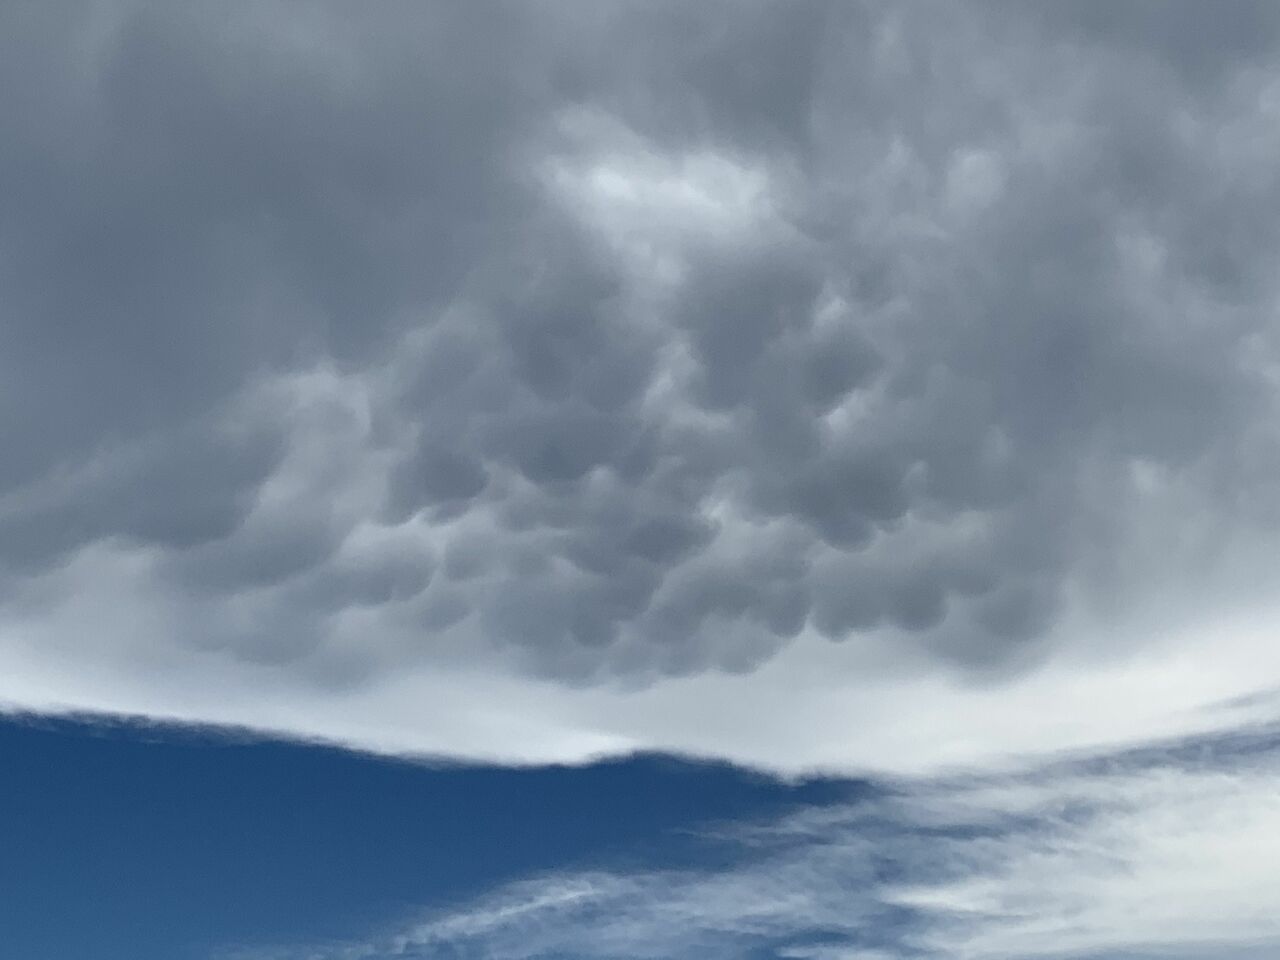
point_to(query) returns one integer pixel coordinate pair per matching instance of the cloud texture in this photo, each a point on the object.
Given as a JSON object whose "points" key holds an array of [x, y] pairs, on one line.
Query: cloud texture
{"points": [[473, 378], [1164, 853]]}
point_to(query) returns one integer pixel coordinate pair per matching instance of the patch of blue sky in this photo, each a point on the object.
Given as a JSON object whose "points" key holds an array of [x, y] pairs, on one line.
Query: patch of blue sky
{"points": [[165, 844]]}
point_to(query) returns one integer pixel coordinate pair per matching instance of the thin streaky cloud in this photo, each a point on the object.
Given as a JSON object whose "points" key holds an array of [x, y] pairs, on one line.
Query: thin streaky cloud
{"points": [[1168, 852]]}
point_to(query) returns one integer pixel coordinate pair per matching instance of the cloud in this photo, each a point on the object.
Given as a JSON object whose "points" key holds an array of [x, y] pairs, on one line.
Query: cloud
{"points": [[597, 364], [1166, 852]]}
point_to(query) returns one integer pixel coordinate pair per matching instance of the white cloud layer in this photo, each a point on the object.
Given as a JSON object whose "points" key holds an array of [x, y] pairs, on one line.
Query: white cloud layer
{"points": [[1156, 854], [813, 708]]}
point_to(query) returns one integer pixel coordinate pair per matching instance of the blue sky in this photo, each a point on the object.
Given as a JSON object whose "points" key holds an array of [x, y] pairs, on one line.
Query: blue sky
{"points": [[129, 840], [421, 422], [134, 841]]}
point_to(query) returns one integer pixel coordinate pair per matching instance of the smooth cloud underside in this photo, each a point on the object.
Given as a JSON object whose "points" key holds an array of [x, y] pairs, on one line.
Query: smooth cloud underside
{"points": [[617, 347]]}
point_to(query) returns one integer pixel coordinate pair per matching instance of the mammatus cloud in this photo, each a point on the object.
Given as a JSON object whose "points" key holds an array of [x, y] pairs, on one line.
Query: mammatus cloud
{"points": [[528, 382], [1165, 853]]}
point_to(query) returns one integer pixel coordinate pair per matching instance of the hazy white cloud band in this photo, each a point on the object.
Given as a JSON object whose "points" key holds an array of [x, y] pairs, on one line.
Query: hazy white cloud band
{"points": [[1158, 854]]}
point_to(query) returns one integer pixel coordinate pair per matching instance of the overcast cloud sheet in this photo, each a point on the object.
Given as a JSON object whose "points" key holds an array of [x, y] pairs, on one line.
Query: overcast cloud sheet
{"points": [[851, 386]]}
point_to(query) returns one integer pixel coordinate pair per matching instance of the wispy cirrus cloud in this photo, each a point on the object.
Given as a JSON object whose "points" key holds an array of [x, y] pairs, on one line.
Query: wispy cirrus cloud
{"points": [[1168, 852]]}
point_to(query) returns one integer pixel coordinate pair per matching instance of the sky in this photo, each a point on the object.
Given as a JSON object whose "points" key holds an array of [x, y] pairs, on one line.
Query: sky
{"points": [[568, 480]]}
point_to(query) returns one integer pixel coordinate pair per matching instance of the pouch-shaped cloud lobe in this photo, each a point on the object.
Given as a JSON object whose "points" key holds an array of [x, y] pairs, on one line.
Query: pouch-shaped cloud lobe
{"points": [[610, 348]]}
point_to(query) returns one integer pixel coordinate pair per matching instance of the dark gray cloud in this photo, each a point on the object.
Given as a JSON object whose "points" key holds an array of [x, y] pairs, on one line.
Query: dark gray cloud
{"points": [[638, 339]]}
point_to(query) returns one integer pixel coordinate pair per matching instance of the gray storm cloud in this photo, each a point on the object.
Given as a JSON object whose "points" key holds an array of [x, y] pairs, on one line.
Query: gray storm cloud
{"points": [[633, 340]]}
